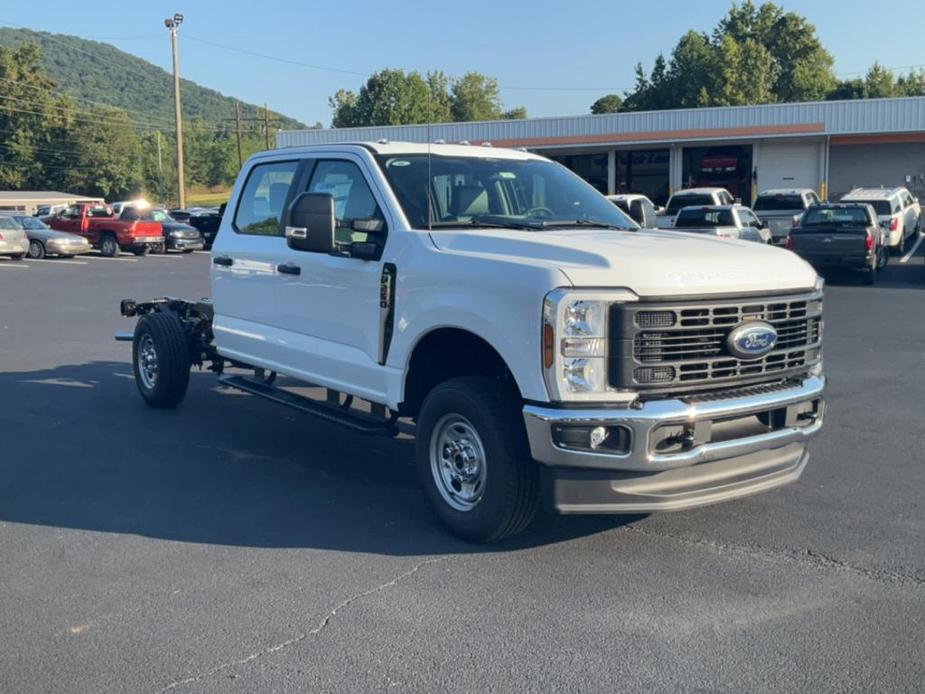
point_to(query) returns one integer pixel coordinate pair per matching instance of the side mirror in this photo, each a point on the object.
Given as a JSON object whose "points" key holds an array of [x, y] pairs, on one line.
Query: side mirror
{"points": [[762, 224], [311, 217]]}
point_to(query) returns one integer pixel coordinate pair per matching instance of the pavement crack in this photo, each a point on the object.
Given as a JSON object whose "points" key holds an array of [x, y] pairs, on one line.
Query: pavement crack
{"points": [[322, 625], [807, 557]]}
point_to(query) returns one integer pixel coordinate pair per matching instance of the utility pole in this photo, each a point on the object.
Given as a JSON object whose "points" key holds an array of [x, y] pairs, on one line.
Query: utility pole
{"points": [[172, 23], [237, 131], [266, 122]]}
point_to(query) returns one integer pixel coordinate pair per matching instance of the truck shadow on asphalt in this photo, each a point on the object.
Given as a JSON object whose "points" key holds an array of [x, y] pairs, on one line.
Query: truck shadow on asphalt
{"points": [[896, 275], [81, 450]]}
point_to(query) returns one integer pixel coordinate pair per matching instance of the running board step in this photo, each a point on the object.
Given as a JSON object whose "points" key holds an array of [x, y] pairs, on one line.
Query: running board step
{"points": [[351, 419]]}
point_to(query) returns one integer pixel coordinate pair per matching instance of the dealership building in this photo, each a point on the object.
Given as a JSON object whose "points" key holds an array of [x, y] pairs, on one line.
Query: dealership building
{"points": [[829, 146]]}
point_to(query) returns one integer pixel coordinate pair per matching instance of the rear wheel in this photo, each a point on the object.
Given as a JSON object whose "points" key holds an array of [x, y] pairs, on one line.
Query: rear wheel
{"points": [[109, 247], [474, 461], [18, 256], [140, 250], [160, 357], [36, 250]]}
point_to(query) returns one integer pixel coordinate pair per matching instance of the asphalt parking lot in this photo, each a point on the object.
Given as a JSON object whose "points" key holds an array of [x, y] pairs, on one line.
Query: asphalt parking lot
{"points": [[234, 546]]}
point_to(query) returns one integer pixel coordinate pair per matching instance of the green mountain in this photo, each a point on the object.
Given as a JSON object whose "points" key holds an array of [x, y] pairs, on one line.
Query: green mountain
{"points": [[102, 73]]}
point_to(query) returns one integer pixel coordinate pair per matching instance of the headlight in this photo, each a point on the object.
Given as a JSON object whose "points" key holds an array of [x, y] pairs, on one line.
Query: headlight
{"points": [[820, 283], [575, 343]]}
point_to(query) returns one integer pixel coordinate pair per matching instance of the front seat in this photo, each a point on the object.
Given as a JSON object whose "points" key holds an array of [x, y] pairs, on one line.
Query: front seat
{"points": [[469, 201]]}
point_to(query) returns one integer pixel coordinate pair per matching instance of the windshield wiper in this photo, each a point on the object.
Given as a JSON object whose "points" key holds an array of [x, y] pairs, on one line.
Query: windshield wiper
{"points": [[583, 223], [487, 223]]}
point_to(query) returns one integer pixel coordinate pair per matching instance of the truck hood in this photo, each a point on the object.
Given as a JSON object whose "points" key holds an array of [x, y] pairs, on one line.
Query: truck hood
{"points": [[650, 263]]}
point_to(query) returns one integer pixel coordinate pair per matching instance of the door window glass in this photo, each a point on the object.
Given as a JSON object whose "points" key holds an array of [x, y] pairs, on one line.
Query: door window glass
{"points": [[260, 208], [355, 209]]}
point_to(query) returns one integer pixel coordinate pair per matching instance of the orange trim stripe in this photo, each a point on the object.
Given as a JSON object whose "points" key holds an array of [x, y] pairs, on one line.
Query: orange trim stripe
{"points": [[898, 138], [799, 129]]}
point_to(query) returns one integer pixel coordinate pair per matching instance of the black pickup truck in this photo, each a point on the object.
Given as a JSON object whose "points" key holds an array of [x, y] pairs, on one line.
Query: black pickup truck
{"points": [[844, 235]]}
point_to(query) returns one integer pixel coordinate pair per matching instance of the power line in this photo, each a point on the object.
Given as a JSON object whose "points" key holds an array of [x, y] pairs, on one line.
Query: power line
{"points": [[62, 110], [276, 58]]}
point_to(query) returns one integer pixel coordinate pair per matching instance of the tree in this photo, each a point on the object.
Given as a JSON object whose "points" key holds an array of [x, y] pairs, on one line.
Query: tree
{"points": [[389, 97], [755, 54], [607, 104], [518, 113], [475, 97], [441, 106]]}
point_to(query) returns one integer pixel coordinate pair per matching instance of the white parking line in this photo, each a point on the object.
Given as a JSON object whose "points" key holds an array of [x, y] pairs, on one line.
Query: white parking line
{"points": [[110, 260], [163, 255], [203, 252], [915, 247], [58, 261], [14, 264]]}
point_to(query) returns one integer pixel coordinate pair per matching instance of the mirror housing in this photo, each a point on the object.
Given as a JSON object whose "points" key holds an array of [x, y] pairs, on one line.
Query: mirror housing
{"points": [[311, 223]]}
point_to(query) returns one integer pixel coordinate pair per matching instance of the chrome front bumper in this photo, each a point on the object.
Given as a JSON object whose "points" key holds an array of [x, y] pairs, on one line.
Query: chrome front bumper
{"points": [[713, 466]]}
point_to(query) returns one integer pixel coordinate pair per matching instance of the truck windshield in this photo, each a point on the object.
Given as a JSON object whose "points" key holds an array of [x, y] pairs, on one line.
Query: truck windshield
{"points": [[472, 191], [688, 200], [835, 216], [772, 203], [704, 217]]}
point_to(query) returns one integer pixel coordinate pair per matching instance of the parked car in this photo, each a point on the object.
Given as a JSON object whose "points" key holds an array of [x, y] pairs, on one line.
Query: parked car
{"points": [[106, 231], [692, 197], [779, 209], [899, 213], [208, 225], [13, 241], [546, 350], [843, 235], [639, 208], [178, 236], [139, 204], [48, 210], [43, 240], [725, 221]]}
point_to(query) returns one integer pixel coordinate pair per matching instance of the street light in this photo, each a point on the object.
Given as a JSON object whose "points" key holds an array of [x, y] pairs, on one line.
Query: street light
{"points": [[172, 24]]}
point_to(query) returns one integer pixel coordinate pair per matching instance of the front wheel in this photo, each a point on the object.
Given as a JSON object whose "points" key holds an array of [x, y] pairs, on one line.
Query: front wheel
{"points": [[36, 250], [161, 361], [474, 461], [140, 251]]}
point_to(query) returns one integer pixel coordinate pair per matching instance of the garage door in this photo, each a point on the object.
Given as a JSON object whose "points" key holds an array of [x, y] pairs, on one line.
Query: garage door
{"points": [[788, 165]]}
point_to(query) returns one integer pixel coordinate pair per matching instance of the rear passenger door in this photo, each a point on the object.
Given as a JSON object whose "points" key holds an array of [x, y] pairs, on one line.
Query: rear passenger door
{"points": [[245, 280], [329, 304]]}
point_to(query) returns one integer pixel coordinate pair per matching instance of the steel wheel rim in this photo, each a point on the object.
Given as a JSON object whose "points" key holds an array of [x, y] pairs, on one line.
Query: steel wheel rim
{"points": [[147, 362], [457, 462]]}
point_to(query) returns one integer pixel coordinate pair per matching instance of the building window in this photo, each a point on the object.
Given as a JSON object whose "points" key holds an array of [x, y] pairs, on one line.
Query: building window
{"points": [[645, 171], [591, 167]]}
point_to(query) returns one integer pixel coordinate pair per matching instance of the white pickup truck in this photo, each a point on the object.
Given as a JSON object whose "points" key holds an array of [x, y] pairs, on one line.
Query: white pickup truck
{"points": [[546, 349]]}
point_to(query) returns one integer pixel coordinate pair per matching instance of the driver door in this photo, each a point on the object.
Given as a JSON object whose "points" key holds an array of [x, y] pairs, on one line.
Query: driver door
{"points": [[329, 303]]}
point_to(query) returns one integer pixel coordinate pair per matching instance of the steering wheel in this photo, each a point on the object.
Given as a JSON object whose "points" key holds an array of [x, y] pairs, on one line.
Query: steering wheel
{"points": [[540, 212]]}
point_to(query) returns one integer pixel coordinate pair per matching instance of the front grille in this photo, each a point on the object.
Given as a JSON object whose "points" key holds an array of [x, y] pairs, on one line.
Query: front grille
{"points": [[684, 347]]}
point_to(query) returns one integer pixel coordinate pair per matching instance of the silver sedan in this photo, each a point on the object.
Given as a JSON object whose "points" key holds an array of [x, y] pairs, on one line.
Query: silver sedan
{"points": [[13, 240], [46, 241]]}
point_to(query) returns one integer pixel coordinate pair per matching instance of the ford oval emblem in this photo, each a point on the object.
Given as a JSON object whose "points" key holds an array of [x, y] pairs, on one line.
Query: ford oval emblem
{"points": [[752, 340]]}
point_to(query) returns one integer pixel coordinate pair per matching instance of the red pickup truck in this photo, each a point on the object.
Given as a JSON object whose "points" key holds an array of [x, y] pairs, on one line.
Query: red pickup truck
{"points": [[106, 231]]}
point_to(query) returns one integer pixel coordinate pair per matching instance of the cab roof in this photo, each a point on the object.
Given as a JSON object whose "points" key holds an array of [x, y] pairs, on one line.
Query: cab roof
{"points": [[785, 191], [700, 191], [872, 193], [399, 148]]}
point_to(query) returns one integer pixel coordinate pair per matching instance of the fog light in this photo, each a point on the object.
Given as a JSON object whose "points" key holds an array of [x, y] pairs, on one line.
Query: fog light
{"points": [[598, 436]]}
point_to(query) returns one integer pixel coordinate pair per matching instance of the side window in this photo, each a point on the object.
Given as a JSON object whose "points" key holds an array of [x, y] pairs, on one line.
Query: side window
{"points": [[358, 215], [72, 212], [260, 207], [895, 205]]}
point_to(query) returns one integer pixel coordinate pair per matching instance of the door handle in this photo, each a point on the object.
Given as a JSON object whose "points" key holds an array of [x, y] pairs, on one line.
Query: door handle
{"points": [[223, 260], [289, 269]]}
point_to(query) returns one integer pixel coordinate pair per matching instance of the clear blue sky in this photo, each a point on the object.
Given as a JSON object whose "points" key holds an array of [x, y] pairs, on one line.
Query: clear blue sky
{"points": [[523, 43]]}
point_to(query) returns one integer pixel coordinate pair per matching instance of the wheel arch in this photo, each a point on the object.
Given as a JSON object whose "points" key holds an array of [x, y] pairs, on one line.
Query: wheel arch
{"points": [[449, 352]]}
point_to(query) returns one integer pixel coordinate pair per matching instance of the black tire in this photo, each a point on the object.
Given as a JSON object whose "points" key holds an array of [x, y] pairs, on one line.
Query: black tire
{"points": [[109, 247], [509, 495], [36, 250], [18, 256], [172, 365], [187, 250], [140, 251], [870, 275]]}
